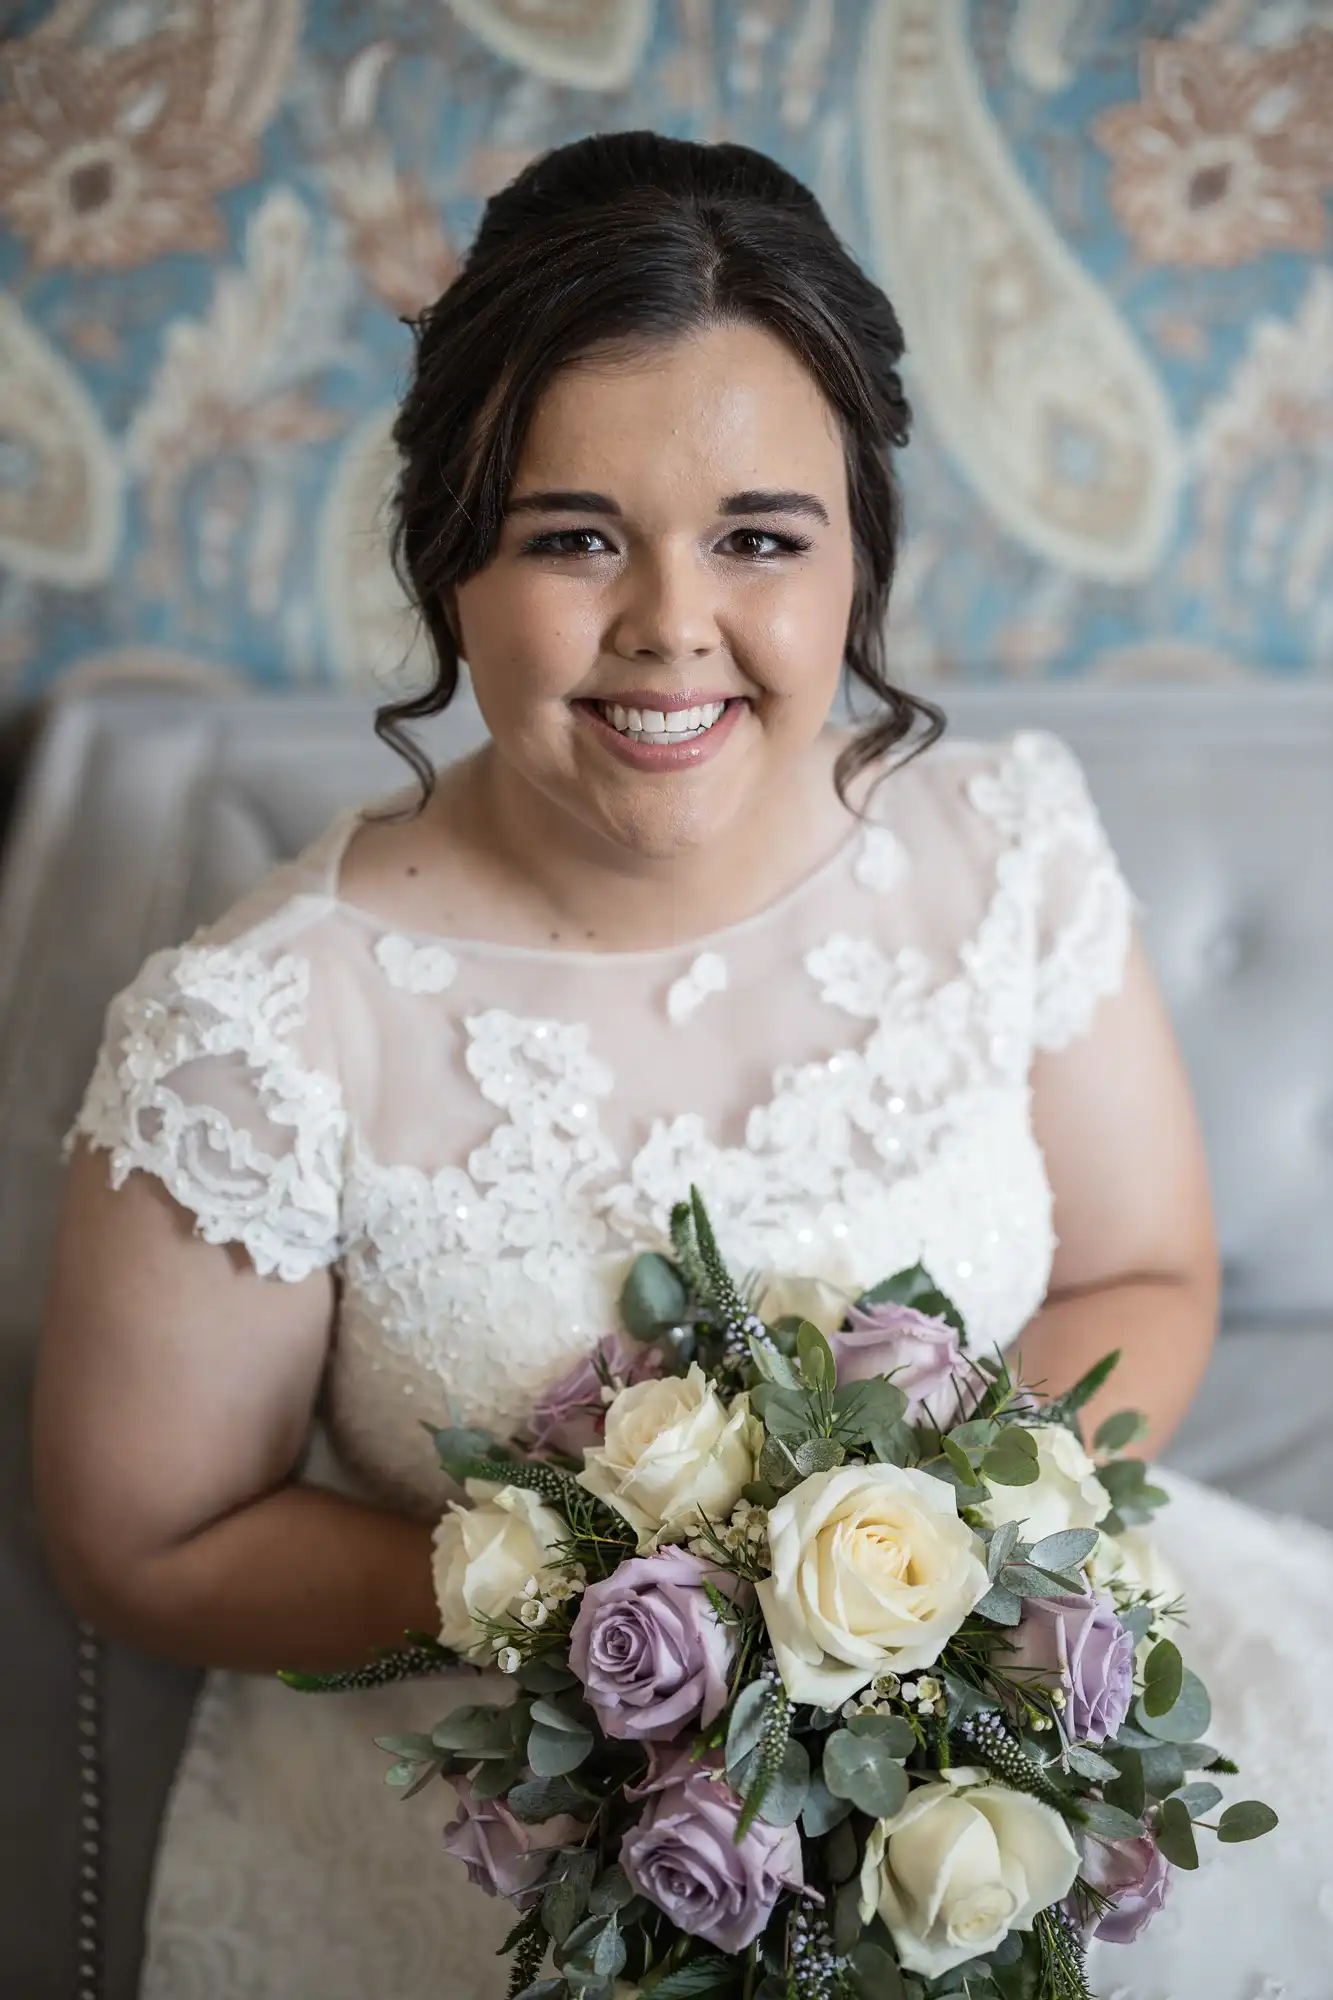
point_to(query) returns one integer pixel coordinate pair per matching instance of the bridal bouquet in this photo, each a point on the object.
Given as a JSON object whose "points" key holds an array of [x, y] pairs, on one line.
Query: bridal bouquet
{"points": [[838, 1666]]}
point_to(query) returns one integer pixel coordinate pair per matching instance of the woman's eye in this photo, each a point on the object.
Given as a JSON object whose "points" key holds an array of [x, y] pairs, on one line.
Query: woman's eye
{"points": [[557, 542]]}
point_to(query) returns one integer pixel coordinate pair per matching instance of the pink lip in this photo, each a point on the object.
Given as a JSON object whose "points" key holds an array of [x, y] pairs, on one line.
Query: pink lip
{"points": [[664, 704], [688, 755]]}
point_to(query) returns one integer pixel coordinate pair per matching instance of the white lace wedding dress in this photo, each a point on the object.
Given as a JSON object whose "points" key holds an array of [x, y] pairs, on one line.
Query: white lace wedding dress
{"points": [[478, 1138]]}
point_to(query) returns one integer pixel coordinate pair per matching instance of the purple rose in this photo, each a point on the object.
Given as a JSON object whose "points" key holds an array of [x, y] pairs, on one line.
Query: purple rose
{"points": [[922, 1354], [571, 1414], [683, 1856], [649, 1648], [1077, 1643], [1135, 1874], [502, 1855]]}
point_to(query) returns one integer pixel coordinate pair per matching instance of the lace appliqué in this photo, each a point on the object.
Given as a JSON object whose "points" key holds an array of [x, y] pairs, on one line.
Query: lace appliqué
{"points": [[415, 968], [882, 860], [1039, 797], [278, 1197], [686, 995]]}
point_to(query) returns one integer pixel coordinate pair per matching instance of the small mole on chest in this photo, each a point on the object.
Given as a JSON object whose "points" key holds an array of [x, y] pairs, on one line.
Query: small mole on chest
{"points": [[413, 871]]}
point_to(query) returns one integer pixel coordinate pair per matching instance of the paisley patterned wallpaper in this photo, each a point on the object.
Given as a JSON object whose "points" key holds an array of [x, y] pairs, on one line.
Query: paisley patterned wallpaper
{"points": [[1105, 223]]}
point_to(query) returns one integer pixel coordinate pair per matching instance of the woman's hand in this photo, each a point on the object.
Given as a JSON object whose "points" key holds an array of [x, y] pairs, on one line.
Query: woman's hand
{"points": [[174, 1395]]}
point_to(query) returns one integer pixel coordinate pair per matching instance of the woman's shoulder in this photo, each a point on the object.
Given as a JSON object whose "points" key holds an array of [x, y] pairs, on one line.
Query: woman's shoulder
{"points": [[1023, 784]]}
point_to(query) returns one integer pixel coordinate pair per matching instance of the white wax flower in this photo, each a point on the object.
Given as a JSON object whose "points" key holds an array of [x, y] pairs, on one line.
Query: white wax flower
{"points": [[673, 1451], [1066, 1493], [485, 1554], [872, 1571], [962, 1864]]}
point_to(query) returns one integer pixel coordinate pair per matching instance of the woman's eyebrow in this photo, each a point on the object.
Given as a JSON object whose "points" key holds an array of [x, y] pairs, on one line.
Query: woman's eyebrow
{"points": [[755, 500]]}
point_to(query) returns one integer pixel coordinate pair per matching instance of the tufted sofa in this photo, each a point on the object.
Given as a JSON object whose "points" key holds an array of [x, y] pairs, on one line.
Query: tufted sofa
{"points": [[143, 814]]}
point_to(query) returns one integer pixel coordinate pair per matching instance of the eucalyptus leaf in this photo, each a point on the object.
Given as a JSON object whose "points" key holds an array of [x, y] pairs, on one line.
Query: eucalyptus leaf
{"points": [[560, 1908], [777, 1464], [860, 1768], [821, 1811], [818, 1368], [874, 1976], [554, 1717], [701, 1977], [773, 1366], [610, 1954], [1065, 1550], [1128, 1789], [1163, 1679], [960, 1462], [492, 1779], [846, 1917], [891, 1444], [653, 1296], [538, 1799], [1000, 1547], [1175, 1834], [785, 1798], [1004, 1465], [1246, 1820], [785, 1412], [1163, 1769], [1126, 1427], [1000, 1606], [1099, 1770], [1110, 1822], [746, 1724], [1024, 1580], [477, 1730], [818, 1454], [1187, 1718], [842, 1855], [554, 1752], [893, 1733], [978, 1435], [545, 1674], [1138, 1620], [414, 1747], [456, 1443], [1198, 1799], [399, 1775]]}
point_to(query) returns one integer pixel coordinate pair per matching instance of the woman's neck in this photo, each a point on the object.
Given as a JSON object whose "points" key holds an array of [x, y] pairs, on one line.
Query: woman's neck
{"points": [[556, 880]]}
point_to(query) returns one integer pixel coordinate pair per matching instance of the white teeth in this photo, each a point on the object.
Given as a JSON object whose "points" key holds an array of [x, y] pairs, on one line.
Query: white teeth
{"points": [[655, 725]]}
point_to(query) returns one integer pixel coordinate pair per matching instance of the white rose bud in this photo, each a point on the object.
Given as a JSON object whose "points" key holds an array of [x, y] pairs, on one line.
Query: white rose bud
{"points": [[673, 1450], [961, 1865], [803, 1298], [1066, 1493], [485, 1554], [872, 1570]]}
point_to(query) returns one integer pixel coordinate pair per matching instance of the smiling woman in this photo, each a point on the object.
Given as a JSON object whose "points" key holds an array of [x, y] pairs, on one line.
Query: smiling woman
{"points": [[384, 1139]]}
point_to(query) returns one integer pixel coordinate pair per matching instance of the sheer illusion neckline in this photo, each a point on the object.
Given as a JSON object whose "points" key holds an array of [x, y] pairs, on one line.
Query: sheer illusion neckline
{"points": [[339, 835]]}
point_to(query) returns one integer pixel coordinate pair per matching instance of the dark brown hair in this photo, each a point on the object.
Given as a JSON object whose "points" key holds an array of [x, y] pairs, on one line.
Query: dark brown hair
{"points": [[629, 237]]}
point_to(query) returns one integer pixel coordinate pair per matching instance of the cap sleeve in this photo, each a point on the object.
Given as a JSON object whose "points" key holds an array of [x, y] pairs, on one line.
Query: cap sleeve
{"points": [[1082, 907], [204, 1078]]}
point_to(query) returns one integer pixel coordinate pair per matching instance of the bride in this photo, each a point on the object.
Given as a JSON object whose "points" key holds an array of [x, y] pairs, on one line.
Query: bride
{"points": [[378, 1145]]}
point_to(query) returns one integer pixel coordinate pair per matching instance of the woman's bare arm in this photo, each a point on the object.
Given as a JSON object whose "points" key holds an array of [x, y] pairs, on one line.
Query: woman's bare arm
{"points": [[1136, 1265], [174, 1393]]}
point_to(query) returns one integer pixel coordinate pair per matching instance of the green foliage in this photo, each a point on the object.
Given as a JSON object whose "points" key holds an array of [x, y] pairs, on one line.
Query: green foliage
{"points": [[1186, 1719], [916, 1288], [1064, 1968], [1064, 1409], [1163, 1679], [1246, 1820], [407, 1663], [1120, 1431], [527, 1941], [653, 1297], [1175, 1834], [863, 1762]]}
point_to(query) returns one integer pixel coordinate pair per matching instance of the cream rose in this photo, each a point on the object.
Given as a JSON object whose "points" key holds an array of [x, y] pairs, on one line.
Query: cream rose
{"points": [[1066, 1493], [872, 1570], [962, 1864], [803, 1298], [672, 1450], [485, 1554]]}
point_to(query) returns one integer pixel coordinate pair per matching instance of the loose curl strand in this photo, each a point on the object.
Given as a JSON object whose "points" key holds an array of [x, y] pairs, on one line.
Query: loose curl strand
{"points": [[610, 243]]}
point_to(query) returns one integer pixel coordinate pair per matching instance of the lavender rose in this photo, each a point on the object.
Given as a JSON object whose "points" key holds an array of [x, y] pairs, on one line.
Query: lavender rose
{"points": [[649, 1648], [571, 1414], [923, 1354], [684, 1858], [1135, 1874], [1077, 1643], [502, 1855]]}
